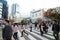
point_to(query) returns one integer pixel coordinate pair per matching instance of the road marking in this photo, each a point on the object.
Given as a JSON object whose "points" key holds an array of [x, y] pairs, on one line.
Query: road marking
{"points": [[43, 38], [50, 33], [49, 36], [59, 33], [45, 35], [19, 35], [30, 37]]}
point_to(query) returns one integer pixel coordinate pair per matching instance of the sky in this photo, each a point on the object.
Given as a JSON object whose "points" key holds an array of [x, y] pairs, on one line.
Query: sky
{"points": [[28, 5]]}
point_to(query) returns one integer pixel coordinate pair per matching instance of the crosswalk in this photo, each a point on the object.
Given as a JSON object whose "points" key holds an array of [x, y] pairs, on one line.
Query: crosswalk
{"points": [[42, 38], [35, 35], [49, 35], [19, 36]]}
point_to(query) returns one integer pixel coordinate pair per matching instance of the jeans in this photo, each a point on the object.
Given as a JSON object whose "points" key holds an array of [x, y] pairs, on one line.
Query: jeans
{"points": [[23, 32], [56, 35], [15, 36], [30, 29]]}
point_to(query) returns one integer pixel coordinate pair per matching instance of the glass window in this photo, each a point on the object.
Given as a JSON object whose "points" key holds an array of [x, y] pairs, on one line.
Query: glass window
{"points": [[0, 16]]}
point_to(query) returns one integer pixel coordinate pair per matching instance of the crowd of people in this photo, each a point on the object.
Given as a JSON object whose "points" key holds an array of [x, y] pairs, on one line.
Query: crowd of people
{"points": [[44, 26], [8, 31]]}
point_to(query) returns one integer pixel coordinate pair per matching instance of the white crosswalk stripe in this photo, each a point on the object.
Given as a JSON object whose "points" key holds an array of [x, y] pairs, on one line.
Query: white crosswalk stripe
{"points": [[59, 33], [43, 38], [19, 35], [31, 37], [49, 35], [45, 34]]}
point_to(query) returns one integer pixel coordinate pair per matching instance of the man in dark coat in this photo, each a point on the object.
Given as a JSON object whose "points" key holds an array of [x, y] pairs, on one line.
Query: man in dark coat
{"points": [[55, 30], [7, 31], [36, 25]]}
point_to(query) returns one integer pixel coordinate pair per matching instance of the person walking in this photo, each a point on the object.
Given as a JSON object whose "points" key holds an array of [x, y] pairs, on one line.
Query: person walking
{"points": [[45, 28], [15, 31], [41, 28], [7, 31], [55, 29], [3, 26], [36, 25], [30, 27], [23, 30]]}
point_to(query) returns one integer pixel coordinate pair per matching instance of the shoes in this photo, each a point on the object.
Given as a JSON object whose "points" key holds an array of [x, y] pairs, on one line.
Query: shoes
{"points": [[21, 36], [27, 34], [41, 34]]}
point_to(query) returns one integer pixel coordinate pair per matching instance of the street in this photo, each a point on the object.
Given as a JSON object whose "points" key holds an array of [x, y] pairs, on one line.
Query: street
{"points": [[30, 19], [34, 35]]}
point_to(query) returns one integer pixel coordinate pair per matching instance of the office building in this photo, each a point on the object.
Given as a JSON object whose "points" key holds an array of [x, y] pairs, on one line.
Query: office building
{"points": [[3, 9], [1, 6], [15, 12]]}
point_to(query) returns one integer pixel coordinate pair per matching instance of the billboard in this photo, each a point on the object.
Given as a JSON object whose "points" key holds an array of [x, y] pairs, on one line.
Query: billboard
{"points": [[37, 15]]}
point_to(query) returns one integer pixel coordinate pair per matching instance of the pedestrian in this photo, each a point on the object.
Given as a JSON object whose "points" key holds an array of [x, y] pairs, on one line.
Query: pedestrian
{"points": [[30, 27], [15, 31], [7, 31], [41, 28], [3, 26], [23, 30], [55, 29], [36, 25], [45, 28]]}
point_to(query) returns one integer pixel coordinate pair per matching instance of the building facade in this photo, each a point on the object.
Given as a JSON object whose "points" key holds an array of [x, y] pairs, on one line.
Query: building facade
{"points": [[37, 14], [3, 9], [1, 6], [15, 12]]}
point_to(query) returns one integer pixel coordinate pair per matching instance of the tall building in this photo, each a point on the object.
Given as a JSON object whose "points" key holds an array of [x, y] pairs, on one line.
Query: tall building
{"points": [[15, 12], [1, 6], [3, 9]]}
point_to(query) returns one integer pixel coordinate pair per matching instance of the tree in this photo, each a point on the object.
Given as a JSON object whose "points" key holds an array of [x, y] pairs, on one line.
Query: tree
{"points": [[52, 15]]}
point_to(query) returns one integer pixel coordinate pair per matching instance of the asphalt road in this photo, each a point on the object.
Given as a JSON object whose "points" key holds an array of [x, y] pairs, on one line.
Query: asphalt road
{"points": [[32, 35]]}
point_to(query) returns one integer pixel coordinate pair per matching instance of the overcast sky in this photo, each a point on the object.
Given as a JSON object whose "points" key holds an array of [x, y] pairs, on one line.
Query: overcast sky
{"points": [[28, 5]]}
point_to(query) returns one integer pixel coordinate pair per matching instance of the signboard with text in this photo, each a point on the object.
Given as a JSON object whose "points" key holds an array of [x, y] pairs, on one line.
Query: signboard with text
{"points": [[37, 15]]}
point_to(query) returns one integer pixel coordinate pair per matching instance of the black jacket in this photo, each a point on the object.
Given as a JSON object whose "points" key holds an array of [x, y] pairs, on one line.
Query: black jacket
{"points": [[55, 28], [7, 31]]}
